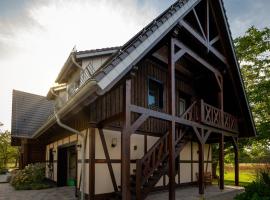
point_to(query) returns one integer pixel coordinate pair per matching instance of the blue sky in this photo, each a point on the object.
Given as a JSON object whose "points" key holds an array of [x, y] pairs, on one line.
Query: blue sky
{"points": [[36, 36]]}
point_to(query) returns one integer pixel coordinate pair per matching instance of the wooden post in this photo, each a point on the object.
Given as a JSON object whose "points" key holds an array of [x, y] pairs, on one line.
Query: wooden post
{"points": [[221, 162], [201, 168], [236, 162], [92, 142], [171, 94], [125, 141]]}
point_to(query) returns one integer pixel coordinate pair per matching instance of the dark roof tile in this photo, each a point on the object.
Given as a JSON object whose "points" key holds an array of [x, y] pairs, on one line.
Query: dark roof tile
{"points": [[29, 112]]}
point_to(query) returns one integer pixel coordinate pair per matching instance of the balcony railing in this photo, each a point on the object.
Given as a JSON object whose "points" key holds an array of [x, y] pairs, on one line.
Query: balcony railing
{"points": [[202, 112]]}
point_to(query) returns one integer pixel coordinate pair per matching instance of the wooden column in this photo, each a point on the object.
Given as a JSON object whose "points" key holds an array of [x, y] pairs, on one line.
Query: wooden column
{"points": [[171, 102], [201, 168], [125, 141], [221, 162], [92, 140], [236, 162]]}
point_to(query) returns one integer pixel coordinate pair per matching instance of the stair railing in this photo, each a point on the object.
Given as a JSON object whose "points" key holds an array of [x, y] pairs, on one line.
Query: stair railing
{"points": [[146, 166]]}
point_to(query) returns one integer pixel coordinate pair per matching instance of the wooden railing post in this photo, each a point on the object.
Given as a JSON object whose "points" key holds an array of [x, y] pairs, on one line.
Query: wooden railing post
{"points": [[138, 179], [202, 110]]}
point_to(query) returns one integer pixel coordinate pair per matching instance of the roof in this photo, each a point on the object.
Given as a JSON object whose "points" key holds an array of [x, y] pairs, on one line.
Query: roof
{"points": [[141, 43], [137, 47], [96, 52], [29, 112]]}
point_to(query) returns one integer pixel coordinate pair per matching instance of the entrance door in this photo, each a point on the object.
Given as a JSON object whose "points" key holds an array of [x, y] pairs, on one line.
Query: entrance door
{"points": [[62, 167], [67, 166]]}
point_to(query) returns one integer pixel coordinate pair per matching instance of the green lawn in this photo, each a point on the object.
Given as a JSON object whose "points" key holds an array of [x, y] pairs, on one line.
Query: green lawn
{"points": [[246, 175]]}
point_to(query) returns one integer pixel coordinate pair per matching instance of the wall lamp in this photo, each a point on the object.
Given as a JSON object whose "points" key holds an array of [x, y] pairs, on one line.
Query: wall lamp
{"points": [[114, 142]]}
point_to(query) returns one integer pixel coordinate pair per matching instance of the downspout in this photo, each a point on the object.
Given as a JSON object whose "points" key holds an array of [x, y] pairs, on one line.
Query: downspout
{"points": [[74, 61], [83, 146]]}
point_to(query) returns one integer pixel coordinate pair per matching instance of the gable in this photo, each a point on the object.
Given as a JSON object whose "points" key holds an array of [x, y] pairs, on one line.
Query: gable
{"points": [[189, 17], [213, 49]]}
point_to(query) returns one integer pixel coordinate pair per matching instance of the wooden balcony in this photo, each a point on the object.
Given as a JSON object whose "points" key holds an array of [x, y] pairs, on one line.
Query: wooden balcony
{"points": [[204, 113]]}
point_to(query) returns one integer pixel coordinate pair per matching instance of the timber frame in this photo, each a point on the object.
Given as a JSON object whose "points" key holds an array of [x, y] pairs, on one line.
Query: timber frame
{"points": [[186, 50]]}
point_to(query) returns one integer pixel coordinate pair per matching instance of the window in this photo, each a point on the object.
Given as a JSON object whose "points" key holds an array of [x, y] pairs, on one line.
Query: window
{"points": [[182, 106], [155, 94]]}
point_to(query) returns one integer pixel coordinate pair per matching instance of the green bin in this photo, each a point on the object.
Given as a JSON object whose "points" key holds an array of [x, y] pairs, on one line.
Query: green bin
{"points": [[71, 182]]}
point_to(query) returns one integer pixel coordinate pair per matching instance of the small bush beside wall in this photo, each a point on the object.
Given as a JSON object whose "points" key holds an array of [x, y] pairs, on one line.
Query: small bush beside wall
{"points": [[32, 177]]}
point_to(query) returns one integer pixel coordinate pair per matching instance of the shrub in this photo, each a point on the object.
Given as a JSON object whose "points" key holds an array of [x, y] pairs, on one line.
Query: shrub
{"points": [[259, 189], [31, 177], [3, 171]]}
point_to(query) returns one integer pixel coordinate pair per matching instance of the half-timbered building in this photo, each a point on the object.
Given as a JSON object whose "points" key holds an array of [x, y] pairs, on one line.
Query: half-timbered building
{"points": [[130, 120]]}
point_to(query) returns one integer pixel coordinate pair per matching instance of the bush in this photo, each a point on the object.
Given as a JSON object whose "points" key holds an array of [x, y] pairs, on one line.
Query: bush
{"points": [[3, 171], [32, 177], [259, 189]]}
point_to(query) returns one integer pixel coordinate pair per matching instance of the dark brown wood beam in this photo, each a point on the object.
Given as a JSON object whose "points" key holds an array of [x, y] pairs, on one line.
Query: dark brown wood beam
{"points": [[201, 168], [125, 141], [171, 101], [197, 57], [109, 120], [108, 160], [92, 141], [202, 41], [139, 122], [236, 161], [221, 162]]}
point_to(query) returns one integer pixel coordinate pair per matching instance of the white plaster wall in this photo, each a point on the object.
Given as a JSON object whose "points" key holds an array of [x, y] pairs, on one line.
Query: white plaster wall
{"points": [[86, 186], [185, 154], [54, 145], [103, 183], [185, 172]]}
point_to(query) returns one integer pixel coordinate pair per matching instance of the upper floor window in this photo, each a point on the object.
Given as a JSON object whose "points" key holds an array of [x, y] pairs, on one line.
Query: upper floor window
{"points": [[155, 93]]}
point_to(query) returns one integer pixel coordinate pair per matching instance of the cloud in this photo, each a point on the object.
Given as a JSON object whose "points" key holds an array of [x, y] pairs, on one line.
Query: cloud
{"points": [[243, 14], [35, 43]]}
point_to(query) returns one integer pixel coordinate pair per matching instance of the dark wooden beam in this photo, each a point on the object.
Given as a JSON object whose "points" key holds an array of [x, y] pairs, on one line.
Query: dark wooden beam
{"points": [[214, 40], [171, 102], [202, 41], [107, 156], [139, 122], [199, 23], [197, 57], [221, 162], [109, 120], [168, 117], [92, 141], [201, 168], [125, 141], [236, 161]]}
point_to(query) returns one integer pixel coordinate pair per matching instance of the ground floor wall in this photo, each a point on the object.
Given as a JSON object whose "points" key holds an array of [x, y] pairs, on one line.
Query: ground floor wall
{"points": [[140, 144]]}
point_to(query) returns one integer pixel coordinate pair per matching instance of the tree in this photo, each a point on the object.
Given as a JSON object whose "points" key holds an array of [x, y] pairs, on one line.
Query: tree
{"points": [[253, 51], [8, 153]]}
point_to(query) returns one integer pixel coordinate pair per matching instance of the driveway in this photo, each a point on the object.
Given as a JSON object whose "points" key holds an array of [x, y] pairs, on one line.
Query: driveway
{"points": [[61, 193], [67, 193]]}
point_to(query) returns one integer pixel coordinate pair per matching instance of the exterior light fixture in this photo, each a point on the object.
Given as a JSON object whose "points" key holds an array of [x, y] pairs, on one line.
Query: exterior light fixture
{"points": [[79, 146], [114, 142]]}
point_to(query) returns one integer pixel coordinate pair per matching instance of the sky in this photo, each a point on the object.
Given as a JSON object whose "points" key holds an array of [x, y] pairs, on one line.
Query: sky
{"points": [[36, 36]]}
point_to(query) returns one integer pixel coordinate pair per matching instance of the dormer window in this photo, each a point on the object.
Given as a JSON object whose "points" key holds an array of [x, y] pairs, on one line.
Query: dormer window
{"points": [[155, 94]]}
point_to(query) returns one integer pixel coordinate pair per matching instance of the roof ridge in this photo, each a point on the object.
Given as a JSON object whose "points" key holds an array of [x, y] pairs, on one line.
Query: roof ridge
{"points": [[99, 49]]}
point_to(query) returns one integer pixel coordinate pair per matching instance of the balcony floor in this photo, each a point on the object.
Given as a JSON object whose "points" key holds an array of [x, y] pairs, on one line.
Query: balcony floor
{"points": [[192, 193]]}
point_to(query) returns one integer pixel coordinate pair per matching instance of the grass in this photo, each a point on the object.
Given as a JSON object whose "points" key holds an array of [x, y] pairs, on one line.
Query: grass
{"points": [[247, 173]]}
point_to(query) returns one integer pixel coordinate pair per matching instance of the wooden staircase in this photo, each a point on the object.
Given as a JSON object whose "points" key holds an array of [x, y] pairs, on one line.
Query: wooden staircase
{"points": [[153, 165]]}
